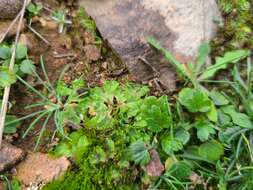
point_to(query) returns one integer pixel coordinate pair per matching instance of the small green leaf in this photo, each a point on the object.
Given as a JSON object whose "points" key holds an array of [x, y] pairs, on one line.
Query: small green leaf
{"points": [[239, 119], [62, 89], [225, 135], [180, 170], [34, 8], [156, 113], [223, 118], [63, 149], [7, 77], [218, 98], [204, 130], [212, 114], [98, 156], [211, 150], [140, 153], [183, 136], [27, 66], [204, 51], [5, 52], [170, 145], [222, 62], [194, 100], [21, 51], [11, 128]]}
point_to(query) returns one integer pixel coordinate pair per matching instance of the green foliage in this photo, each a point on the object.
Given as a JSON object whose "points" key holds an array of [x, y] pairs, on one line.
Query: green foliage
{"points": [[60, 17], [204, 129], [12, 184], [7, 77], [237, 27], [211, 150], [139, 152], [88, 24], [11, 128], [22, 64], [170, 145], [34, 9], [155, 113], [194, 100], [197, 72]]}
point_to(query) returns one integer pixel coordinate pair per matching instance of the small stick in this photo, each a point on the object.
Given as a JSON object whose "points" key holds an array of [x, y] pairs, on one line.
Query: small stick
{"points": [[12, 62], [39, 35], [64, 55], [156, 73]]}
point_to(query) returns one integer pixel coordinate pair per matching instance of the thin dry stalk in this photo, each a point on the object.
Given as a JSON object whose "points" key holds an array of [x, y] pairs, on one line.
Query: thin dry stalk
{"points": [[12, 62]]}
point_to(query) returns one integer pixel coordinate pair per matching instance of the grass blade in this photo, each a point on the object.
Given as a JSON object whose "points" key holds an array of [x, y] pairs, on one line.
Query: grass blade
{"points": [[32, 88], [42, 131], [34, 123]]}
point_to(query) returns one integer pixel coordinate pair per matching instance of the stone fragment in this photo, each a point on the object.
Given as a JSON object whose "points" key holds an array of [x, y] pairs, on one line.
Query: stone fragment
{"points": [[10, 8], [1, 186], [179, 25], [155, 167], [9, 156], [39, 168]]}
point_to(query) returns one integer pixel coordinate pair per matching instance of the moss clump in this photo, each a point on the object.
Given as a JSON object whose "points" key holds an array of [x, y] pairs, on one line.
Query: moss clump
{"points": [[236, 31]]}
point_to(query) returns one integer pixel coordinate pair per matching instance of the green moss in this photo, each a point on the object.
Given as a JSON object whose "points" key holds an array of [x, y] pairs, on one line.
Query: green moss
{"points": [[92, 178], [237, 30]]}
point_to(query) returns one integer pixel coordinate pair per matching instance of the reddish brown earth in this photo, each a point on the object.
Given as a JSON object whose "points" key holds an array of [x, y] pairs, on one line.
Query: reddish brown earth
{"points": [[76, 48]]}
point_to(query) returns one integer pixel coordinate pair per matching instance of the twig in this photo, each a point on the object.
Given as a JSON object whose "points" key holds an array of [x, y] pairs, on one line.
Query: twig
{"points": [[64, 55], [156, 73], [12, 62], [39, 35]]}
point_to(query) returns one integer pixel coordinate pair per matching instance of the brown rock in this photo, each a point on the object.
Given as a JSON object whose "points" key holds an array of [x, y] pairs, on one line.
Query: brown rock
{"points": [[179, 25], [155, 167], [9, 156], [6, 23], [1, 186], [92, 52], [41, 168], [9, 8]]}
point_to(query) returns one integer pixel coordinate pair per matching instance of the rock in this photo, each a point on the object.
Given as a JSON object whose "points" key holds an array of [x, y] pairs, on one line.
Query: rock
{"points": [[10, 8], [1, 186], [39, 168], [6, 23], [179, 25], [155, 167], [9, 156]]}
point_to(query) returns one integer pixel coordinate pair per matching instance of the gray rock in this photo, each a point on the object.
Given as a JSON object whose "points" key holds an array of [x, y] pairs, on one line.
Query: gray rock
{"points": [[39, 168], [179, 25], [9, 156], [10, 8]]}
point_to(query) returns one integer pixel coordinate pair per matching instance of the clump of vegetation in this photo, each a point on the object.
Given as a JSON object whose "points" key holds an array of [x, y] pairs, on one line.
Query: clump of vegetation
{"points": [[113, 119], [88, 24], [7, 77], [237, 27]]}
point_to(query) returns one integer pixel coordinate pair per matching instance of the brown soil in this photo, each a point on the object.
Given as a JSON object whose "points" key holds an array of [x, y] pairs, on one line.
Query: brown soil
{"points": [[75, 49]]}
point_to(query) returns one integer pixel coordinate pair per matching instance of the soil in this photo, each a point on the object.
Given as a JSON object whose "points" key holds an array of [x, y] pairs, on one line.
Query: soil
{"points": [[74, 49]]}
